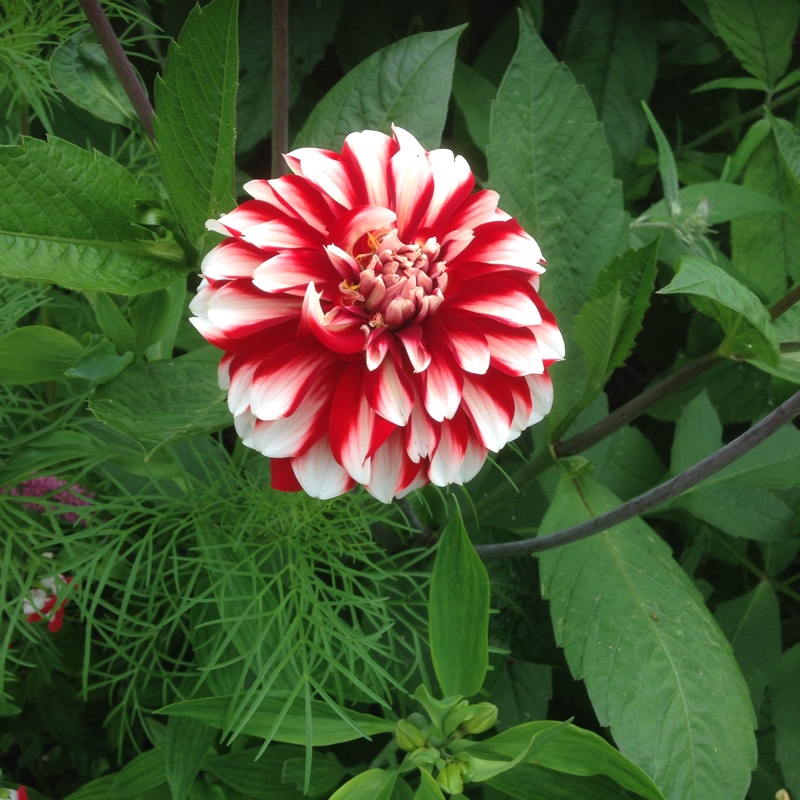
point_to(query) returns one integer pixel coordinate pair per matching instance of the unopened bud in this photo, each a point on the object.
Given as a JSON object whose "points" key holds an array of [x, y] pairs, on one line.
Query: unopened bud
{"points": [[471, 719], [409, 736], [450, 779], [424, 756]]}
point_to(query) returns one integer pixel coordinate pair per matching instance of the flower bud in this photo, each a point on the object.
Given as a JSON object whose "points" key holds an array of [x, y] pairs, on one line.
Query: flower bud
{"points": [[470, 719], [409, 736], [450, 779], [424, 757]]}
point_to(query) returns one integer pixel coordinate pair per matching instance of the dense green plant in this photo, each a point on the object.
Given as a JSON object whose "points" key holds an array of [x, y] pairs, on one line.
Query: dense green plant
{"points": [[224, 640]]}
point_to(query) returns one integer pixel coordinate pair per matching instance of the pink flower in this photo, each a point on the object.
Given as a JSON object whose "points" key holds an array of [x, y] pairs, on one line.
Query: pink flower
{"points": [[381, 323], [39, 487], [43, 602]]}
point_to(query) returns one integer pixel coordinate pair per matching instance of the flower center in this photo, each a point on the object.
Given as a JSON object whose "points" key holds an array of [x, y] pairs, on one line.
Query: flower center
{"points": [[398, 283]]}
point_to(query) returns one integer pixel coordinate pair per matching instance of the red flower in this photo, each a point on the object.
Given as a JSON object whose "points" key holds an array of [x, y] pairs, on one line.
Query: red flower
{"points": [[43, 602], [381, 323]]}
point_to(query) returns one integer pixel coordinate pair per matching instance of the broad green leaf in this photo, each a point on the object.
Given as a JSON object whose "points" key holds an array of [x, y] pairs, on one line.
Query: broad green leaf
{"points": [[329, 727], [697, 435], [374, 784], [753, 627], [459, 613], [788, 139], [473, 94], [786, 717], [573, 752], [748, 84], [550, 162], [100, 363], [141, 775], [164, 401], [407, 83], [611, 49], [81, 70], [522, 692], [759, 33], [112, 321], [748, 329], [307, 44], [70, 217], [185, 749], [765, 245], [428, 788], [279, 766], [98, 789], [195, 117], [607, 326], [657, 668], [37, 353], [788, 367]]}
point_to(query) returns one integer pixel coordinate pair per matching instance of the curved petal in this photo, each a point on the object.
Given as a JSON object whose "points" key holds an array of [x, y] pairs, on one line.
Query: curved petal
{"points": [[377, 346], [294, 268], [407, 141], [490, 407], [369, 152], [231, 259], [452, 183], [474, 459], [449, 455], [421, 433], [541, 389], [513, 350], [280, 234], [389, 392], [338, 329], [296, 197], [348, 228], [282, 477], [477, 209], [319, 474], [442, 381], [410, 190], [412, 340], [549, 338], [244, 217], [238, 308], [506, 244], [503, 299], [392, 469], [469, 345], [325, 170]]}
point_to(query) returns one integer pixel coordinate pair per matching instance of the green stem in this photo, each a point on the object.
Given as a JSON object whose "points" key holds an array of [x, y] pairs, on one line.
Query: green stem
{"points": [[655, 497], [121, 64], [280, 86]]}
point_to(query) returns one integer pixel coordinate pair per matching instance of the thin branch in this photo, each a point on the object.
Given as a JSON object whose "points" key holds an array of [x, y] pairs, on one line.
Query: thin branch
{"points": [[119, 61], [280, 85], [655, 497]]}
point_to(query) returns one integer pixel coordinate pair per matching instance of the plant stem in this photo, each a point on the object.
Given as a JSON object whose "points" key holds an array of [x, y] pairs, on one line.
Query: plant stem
{"points": [[785, 303], [119, 61], [659, 495], [280, 85]]}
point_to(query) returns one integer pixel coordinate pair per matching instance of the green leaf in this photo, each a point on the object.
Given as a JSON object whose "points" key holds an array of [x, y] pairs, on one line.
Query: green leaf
{"points": [[474, 94], [407, 83], [186, 747], [195, 117], [81, 70], [522, 692], [140, 775], [100, 363], [574, 751], [786, 717], [697, 435], [657, 668], [759, 33], [69, 217], [326, 773], [753, 627], [428, 788], [667, 168], [329, 726], [607, 326], [374, 784], [165, 401], [549, 160], [747, 325], [36, 353], [611, 49], [788, 138], [765, 245], [459, 613], [748, 84]]}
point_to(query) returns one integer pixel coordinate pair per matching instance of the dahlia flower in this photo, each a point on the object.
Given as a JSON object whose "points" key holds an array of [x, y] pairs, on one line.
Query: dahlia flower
{"points": [[43, 602], [381, 323], [20, 793]]}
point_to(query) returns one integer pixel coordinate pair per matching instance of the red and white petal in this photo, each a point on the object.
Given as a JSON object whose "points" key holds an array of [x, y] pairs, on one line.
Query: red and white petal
{"points": [[389, 392], [446, 462], [319, 474], [549, 338], [280, 234], [541, 389], [421, 433], [490, 407], [369, 152], [474, 459], [412, 340], [469, 345], [294, 268], [410, 190], [283, 380], [503, 299], [326, 171], [392, 470], [513, 350], [241, 386], [442, 382], [238, 308], [282, 477], [406, 141], [523, 405], [378, 340], [356, 431], [243, 217], [293, 195], [506, 244], [452, 183], [338, 329], [476, 210], [349, 227], [231, 259]]}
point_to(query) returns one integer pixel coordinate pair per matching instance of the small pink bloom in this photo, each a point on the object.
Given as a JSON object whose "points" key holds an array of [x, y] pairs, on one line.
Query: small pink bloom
{"points": [[381, 322], [43, 602], [75, 495]]}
